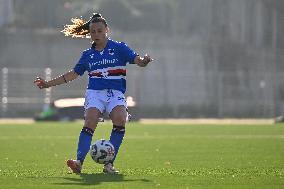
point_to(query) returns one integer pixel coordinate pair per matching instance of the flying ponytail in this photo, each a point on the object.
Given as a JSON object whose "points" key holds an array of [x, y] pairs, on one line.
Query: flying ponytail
{"points": [[80, 27]]}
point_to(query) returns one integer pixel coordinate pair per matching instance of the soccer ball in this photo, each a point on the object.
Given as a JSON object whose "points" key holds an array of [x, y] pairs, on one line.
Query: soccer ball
{"points": [[102, 151]]}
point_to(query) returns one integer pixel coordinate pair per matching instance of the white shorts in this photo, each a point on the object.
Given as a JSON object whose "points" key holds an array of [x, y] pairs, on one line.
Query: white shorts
{"points": [[104, 100]]}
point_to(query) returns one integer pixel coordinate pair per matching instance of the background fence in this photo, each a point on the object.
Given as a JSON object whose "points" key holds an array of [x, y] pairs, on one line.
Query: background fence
{"points": [[213, 58]]}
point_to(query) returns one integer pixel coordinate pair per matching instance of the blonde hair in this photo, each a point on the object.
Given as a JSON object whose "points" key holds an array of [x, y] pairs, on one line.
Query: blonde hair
{"points": [[80, 27]]}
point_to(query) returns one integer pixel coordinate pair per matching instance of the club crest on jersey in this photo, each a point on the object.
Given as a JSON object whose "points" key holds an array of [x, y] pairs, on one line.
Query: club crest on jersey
{"points": [[92, 56], [111, 51], [102, 52], [104, 73]]}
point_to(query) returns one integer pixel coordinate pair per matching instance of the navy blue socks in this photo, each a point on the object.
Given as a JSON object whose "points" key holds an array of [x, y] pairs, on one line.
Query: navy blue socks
{"points": [[85, 139], [84, 143], [116, 137]]}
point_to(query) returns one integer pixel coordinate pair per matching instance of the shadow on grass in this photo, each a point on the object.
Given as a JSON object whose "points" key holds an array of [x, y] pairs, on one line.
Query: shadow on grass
{"points": [[97, 178]]}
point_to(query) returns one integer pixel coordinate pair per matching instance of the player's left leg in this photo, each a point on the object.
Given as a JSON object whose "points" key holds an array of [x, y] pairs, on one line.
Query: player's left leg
{"points": [[117, 111], [118, 116]]}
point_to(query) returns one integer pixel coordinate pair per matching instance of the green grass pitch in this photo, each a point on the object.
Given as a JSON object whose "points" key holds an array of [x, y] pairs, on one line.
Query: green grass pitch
{"points": [[152, 156]]}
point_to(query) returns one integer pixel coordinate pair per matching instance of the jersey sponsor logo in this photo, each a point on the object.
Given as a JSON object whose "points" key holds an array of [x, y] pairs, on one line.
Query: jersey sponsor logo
{"points": [[103, 62]]}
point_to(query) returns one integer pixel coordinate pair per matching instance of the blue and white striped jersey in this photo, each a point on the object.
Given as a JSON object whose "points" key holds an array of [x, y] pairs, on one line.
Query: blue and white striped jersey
{"points": [[106, 68]]}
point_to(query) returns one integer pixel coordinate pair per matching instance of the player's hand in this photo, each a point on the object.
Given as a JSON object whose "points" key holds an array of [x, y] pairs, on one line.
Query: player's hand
{"points": [[147, 59], [41, 83]]}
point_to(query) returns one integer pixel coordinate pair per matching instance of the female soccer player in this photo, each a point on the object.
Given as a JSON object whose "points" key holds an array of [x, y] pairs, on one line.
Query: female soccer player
{"points": [[105, 63]]}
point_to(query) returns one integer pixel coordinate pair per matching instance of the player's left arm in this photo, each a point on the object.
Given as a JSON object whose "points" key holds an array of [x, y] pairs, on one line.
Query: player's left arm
{"points": [[143, 62]]}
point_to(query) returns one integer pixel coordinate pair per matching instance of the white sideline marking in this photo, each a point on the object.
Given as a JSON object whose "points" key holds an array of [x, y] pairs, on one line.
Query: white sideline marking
{"points": [[209, 121], [16, 121], [168, 121], [48, 137]]}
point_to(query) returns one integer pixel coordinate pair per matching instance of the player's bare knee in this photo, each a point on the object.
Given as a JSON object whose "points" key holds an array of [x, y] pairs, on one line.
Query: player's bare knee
{"points": [[91, 123], [119, 120]]}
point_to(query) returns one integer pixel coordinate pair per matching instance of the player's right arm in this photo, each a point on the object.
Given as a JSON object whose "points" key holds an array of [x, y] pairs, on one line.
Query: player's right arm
{"points": [[65, 78]]}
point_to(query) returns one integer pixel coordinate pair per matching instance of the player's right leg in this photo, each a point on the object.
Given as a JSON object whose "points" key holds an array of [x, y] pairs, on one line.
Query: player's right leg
{"points": [[93, 109], [85, 139]]}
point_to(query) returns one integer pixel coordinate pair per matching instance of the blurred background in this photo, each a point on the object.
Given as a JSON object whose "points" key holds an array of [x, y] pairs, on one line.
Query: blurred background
{"points": [[213, 58]]}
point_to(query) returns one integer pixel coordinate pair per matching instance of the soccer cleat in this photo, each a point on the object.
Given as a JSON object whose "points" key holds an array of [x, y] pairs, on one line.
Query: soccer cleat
{"points": [[74, 165], [109, 169]]}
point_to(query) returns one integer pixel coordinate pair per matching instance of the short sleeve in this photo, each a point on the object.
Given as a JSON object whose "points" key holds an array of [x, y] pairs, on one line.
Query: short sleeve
{"points": [[127, 53], [81, 66]]}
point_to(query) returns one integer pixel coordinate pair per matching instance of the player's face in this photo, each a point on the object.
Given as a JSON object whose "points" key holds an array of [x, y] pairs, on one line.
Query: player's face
{"points": [[98, 32]]}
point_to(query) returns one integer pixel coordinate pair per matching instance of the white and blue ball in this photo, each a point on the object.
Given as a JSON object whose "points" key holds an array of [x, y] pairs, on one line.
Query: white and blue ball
{"points": [[102, 151]]}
